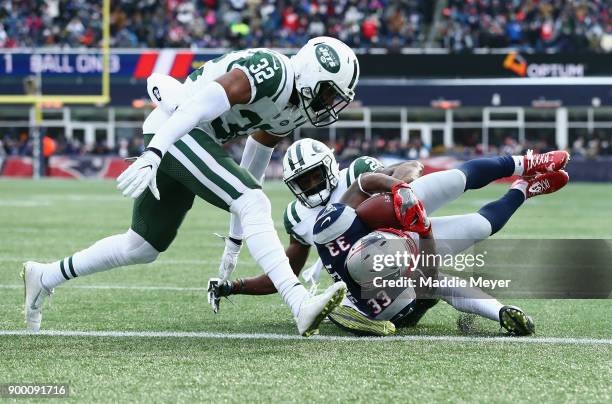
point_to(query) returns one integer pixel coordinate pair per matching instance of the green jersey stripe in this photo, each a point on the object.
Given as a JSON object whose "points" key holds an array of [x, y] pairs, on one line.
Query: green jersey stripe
{"points": [[294, 213], [298, 238], [282, 87], [287, 222], [208, 173]]}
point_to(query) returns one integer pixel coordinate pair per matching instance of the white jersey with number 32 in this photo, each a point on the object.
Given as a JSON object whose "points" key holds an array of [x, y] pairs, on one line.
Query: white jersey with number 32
{"points": [[272, 80]]}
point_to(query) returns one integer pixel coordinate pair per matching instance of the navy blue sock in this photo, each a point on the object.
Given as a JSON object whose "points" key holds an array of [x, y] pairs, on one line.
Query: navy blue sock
{"points": [[498, 212], [480, 172]]}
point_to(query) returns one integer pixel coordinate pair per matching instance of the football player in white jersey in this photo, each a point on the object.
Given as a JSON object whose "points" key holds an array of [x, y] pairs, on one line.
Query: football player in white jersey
{"points": [[311, 173], [257, 93]]}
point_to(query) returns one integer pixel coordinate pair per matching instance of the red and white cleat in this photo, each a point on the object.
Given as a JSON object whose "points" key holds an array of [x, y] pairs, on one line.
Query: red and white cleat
{"points": [[541, 163], [542, 184]]}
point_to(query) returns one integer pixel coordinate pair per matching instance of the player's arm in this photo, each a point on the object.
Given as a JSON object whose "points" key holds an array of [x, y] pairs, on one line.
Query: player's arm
{"points": [[366, 185], [209, 102], [262, 285], [407, 171]]}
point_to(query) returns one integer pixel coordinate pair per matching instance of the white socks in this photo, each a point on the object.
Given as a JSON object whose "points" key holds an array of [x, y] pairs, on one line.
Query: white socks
{"points": [[519, 164], [254, 210], [470, 300], [115, 251]]}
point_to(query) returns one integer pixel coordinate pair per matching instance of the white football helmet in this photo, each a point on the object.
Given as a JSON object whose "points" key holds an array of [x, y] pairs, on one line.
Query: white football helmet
{"points": [[362, 261], [326, 74], [307, 160]]}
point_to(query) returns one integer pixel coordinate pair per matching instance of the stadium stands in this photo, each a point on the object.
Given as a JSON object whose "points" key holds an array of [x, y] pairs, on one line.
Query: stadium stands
{"points": [[459, 25], [552, 25]]}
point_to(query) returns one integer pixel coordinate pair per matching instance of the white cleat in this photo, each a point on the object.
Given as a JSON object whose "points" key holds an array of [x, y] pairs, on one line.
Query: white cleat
{"points": [[35, 294], [314, 309]]}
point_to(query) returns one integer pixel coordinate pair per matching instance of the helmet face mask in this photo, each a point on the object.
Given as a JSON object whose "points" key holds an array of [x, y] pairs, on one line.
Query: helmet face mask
{"points": [[319, 193], [311, 172], [323, 105], [326, 73]]}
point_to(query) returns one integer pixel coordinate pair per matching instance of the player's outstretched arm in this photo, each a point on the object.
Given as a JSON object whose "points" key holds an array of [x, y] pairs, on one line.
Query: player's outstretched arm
{"points": [[366, 185], [262, 285], [212, 100], [407, 171]]}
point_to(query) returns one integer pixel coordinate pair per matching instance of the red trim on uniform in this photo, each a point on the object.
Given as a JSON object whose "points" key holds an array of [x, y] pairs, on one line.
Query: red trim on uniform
{"points": [[182, 62], [146, 63]]}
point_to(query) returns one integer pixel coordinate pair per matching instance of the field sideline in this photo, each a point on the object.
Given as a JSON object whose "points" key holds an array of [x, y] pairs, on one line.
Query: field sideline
{"points": [[147, 333]]}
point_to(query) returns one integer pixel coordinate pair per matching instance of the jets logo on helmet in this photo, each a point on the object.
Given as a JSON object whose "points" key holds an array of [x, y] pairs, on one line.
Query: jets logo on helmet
{"points": [[328, 58], [310, 171], [326, 74]]}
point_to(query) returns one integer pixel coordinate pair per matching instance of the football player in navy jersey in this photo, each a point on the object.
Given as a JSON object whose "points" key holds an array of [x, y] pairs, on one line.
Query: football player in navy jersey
{"points": [[312, 174], [338, 228]]}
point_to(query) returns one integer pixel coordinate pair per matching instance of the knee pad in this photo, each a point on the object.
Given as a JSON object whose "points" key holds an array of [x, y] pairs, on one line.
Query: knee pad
{"points": [[254, 210], [137, 250]]}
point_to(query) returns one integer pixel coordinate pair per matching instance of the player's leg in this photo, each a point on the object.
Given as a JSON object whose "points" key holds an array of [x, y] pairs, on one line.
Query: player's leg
{"points": [[217, 178], [154, 226], [440, 188], [454, 234], [475, 301]]}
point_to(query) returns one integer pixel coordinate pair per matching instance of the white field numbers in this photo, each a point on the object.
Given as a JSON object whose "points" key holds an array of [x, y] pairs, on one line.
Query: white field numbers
{"points": [[263, 71]]}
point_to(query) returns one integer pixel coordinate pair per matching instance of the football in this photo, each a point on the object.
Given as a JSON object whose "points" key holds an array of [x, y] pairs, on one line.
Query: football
{"points": [[377, 212]]}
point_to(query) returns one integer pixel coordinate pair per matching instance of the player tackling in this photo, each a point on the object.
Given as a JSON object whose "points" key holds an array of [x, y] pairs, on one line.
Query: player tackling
{"points": [[257, 93], [316, 218]]}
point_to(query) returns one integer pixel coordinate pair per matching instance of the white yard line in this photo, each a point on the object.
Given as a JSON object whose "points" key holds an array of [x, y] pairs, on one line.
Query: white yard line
{"points": [[126, 287], [265, 336]]}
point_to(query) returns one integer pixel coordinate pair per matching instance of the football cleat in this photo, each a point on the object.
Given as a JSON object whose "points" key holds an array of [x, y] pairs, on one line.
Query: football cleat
{"points": [[541, 163], [515, 321], [35, 294], [353, 321], [314, 309], [542, 184]]}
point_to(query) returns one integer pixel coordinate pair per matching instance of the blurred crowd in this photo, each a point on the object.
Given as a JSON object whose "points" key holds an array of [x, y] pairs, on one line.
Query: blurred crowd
{"points": [[213, 23], [541, 25]]}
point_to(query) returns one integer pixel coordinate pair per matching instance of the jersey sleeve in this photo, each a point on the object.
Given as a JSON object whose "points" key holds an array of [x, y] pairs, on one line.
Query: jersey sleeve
{"points": [[364, 164], [267, 74], [290, 219]]}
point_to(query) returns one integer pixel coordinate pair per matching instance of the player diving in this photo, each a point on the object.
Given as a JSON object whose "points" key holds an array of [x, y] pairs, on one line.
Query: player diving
{"points": [[336, 229], [257, 93]]}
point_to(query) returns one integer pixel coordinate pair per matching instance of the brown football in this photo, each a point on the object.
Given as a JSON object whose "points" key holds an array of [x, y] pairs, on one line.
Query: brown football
{"points": [[377, 212]]}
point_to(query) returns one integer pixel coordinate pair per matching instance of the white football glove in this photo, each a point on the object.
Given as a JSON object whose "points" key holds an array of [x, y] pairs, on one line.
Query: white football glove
{"points": [[229, 258], [141, 174]]}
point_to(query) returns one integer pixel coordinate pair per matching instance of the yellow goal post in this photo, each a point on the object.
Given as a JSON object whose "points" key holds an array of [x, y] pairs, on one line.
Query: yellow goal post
{"points": [[39, 100]]}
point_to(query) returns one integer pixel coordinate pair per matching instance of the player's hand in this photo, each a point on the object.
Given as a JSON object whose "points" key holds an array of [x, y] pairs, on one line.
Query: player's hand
{"points": [[229, 260], [216, 290], [409, 210], [141, 174]]}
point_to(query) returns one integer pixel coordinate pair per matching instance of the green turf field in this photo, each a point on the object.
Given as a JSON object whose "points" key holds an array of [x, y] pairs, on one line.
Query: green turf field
{"points": [[51, 219]]}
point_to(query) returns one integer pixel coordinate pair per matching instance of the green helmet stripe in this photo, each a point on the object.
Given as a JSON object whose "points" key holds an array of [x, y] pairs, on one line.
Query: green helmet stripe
{"points": [[300, 158], [354, 74]]}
